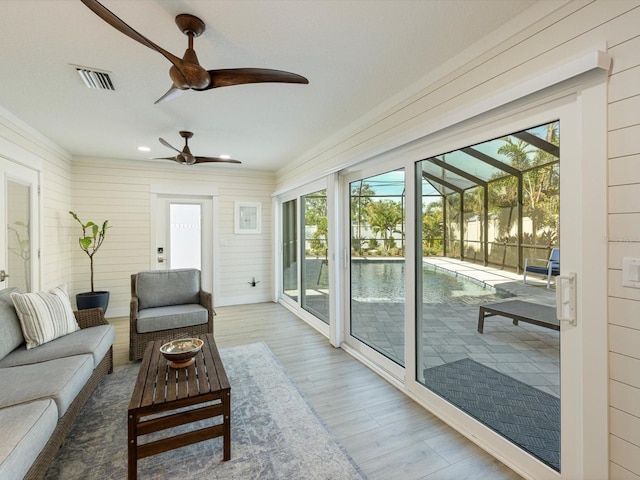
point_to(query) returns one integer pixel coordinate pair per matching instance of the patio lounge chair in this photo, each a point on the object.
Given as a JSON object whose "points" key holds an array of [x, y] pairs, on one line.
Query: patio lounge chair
{"points": [[519, 311], [551, 267]]}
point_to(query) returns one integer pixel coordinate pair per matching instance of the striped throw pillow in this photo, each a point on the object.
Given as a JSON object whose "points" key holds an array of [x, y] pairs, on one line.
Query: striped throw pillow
{"points": [[44, 316]]}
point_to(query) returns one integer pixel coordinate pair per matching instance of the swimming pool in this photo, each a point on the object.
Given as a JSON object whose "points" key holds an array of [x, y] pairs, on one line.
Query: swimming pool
{"points": [[382, 281]]}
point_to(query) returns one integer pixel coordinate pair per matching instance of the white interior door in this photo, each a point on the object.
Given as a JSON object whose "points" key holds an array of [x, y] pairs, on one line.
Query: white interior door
{"points": [[19, 265], [184, 235]]}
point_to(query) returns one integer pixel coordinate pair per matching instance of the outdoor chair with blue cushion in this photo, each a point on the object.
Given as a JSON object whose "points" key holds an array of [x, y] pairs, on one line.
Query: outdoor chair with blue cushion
{"points": [[548, 268], [166, 305]]}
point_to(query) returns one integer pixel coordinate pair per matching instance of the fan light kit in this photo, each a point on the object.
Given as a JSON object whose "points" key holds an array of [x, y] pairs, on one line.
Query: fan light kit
{"points": [[186, 72]]}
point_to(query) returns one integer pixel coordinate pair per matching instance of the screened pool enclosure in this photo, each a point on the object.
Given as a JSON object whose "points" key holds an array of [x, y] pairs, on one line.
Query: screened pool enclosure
{"points": [[494, 203], [499, 200]]}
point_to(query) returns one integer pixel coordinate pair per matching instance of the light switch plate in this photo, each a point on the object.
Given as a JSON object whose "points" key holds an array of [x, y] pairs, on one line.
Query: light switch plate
{"points": [[631, 272]]}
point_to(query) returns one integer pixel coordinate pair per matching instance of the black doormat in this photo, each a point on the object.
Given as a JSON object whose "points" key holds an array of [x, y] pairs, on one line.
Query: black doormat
{"points": [[519, 412]]}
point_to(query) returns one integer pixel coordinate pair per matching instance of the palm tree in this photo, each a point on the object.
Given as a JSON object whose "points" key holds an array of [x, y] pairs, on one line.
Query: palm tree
{"points": [[384, 218], [432, 226], [540, 180]]}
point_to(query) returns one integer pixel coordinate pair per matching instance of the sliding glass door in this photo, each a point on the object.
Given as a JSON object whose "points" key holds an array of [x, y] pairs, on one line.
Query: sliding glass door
{"points": [[448, 315], [306, 277], [315, 250], [486, 341], [377, 264], [290, 249]]}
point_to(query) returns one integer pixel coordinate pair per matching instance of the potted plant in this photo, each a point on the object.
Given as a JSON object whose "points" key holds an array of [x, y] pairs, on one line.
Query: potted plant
{"points": [[90, 241]]}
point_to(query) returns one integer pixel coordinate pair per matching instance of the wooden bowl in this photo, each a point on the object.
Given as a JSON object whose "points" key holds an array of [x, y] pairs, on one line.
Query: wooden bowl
{"points": [[181, 353]]}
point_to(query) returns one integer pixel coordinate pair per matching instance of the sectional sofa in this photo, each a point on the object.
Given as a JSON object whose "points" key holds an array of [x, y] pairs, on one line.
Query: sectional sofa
{"points": [[43, 388]]}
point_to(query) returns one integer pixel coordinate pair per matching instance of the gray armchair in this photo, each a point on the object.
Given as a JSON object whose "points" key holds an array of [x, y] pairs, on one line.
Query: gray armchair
{"points": [[165, 305]]}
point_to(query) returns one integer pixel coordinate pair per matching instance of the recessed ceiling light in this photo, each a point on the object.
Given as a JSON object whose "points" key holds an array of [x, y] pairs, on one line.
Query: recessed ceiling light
{"points": [[224, 156], [144, 149]]}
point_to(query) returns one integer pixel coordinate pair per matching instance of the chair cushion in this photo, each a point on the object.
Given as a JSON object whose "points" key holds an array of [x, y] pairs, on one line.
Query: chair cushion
{"points": [[95, 341], [60, 380], [159, 288], [26, 428], [175, 316], [543, 270], [45, 316], [10, 330]]}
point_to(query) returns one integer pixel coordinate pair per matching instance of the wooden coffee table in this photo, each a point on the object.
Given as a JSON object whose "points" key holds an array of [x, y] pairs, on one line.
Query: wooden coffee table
{"points": [[161, 389]]}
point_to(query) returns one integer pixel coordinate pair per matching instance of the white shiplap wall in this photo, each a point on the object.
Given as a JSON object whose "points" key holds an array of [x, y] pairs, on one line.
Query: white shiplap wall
{"points": [[624, 241], [119, 191], [22, 144], [571, 30]]}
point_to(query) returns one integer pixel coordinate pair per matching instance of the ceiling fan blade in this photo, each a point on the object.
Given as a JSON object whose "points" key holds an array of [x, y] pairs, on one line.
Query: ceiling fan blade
{"points": [[173, 93], [168, 145], [173, 159], [216, 160], [112, 19], [238, 76]]}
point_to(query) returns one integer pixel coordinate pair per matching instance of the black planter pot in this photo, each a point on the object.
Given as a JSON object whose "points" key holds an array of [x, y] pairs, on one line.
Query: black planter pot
{"points": [[87, 300]]}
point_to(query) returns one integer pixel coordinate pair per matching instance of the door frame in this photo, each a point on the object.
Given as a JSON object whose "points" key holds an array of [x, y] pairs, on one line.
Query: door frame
{"points": [[583, 364], [328, 330], [386, 367], [18, 172], [210, 235]]}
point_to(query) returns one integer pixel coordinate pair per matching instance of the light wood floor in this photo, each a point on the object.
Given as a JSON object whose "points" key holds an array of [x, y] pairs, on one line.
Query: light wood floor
{"points": [[388, 435]]}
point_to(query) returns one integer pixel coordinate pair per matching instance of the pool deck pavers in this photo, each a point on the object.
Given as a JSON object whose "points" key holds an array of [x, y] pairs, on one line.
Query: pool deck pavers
{"points": [[526, 352]]}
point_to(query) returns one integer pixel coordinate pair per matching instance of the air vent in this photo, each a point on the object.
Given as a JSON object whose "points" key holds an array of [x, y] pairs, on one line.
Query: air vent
{"points": [[95, 78]]}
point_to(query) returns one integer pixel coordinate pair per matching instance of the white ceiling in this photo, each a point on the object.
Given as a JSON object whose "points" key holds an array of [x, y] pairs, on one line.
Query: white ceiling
{"points": [[355, 53]]}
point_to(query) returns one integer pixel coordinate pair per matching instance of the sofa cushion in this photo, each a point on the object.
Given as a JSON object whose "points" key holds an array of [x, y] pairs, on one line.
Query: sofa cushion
{"points": [[26, 428], [60, 379], [10, 330], [175, 316], [45, 316], [93, 340], [159, 288]]}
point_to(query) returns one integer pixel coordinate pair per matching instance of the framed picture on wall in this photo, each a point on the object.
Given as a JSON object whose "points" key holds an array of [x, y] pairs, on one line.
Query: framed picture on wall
{"points": [[248, 217]]}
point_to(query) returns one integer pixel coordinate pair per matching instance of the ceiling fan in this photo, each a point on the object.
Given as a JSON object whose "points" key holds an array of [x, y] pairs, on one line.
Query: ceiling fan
{"points": [[185, 157], [186, 72]]}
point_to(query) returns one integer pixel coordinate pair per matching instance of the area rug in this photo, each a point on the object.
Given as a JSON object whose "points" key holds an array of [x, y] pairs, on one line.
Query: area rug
{"points": [[528, 417], [275, 434]]}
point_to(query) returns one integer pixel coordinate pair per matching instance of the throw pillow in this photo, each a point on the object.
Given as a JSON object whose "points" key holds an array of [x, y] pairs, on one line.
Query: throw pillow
{"points": [[45, 316]]}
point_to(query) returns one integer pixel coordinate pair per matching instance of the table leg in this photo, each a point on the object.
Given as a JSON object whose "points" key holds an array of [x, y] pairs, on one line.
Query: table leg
{"points": [[226, 437], [132, 447]]}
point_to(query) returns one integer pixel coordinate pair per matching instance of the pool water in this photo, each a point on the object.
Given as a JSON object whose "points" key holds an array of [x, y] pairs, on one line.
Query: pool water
{"points": [[383, 281]]}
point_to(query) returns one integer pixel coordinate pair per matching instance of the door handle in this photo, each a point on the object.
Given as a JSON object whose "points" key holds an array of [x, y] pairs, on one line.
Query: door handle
{"points": [[3, 275], [566, 298]]}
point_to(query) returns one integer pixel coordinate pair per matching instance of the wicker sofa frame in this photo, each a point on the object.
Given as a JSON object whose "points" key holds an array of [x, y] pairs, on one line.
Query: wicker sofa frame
{"points": [[86, 318], [138, 341]]}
